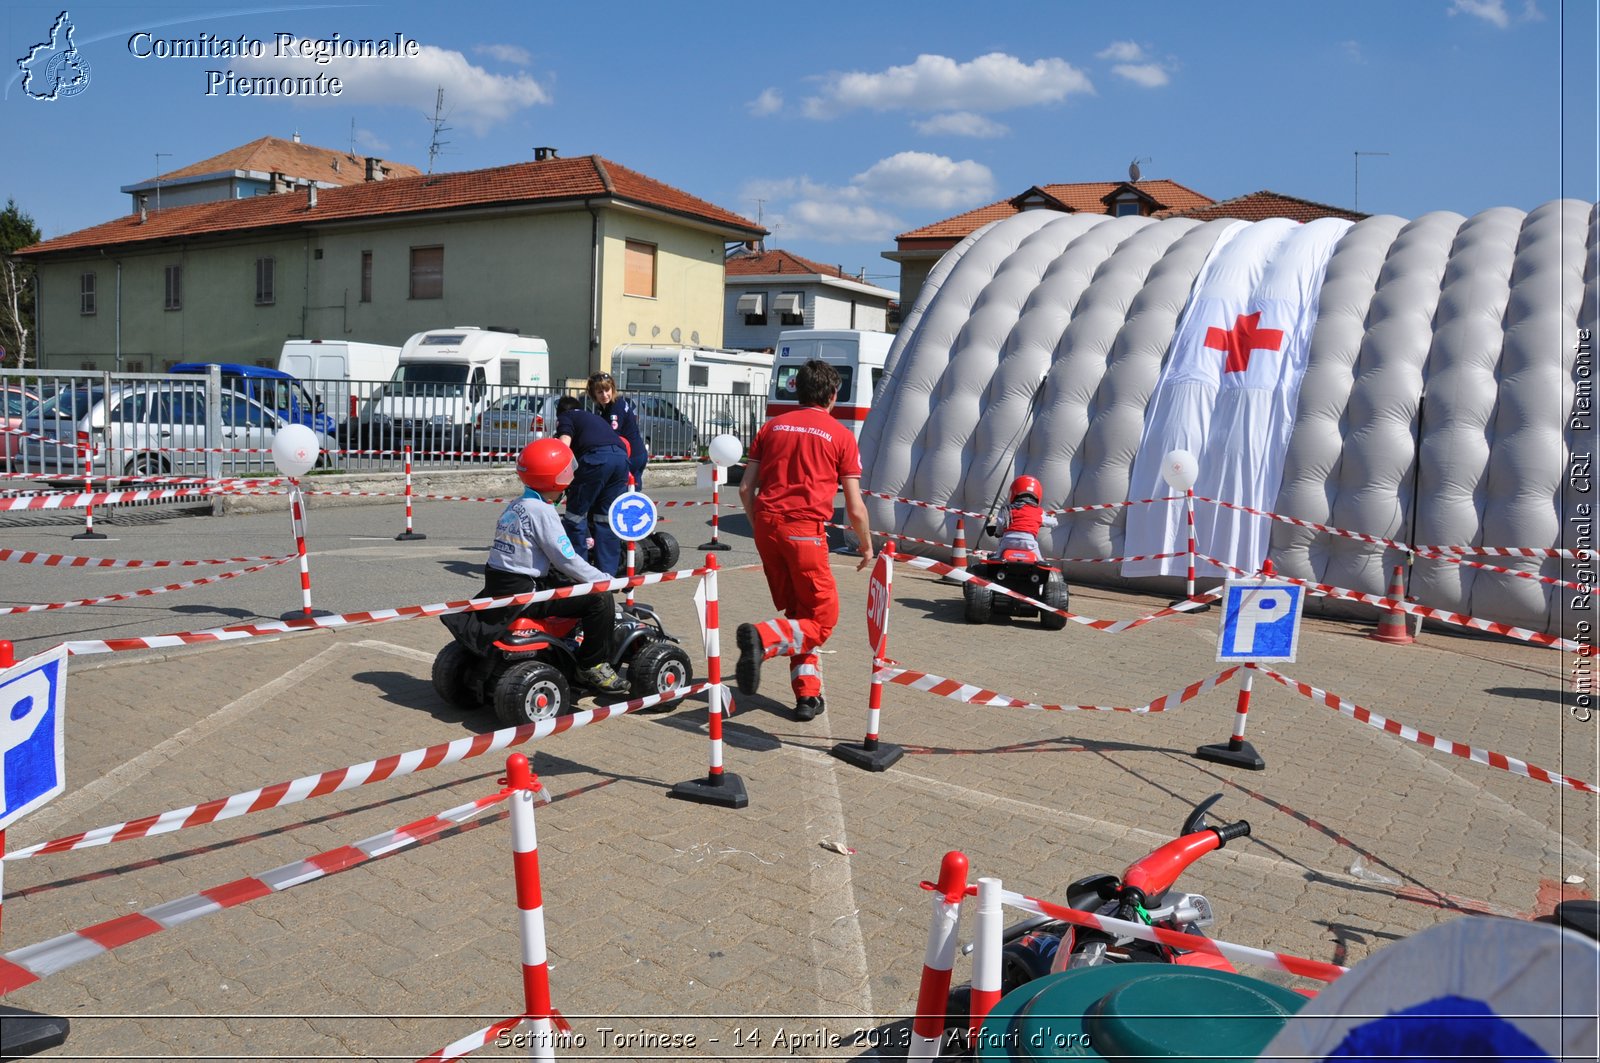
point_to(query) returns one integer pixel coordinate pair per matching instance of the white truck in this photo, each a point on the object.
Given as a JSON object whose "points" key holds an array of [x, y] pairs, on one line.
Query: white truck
{"points": [[858, 355], [445, 379], [342, 374], [708, 385]]}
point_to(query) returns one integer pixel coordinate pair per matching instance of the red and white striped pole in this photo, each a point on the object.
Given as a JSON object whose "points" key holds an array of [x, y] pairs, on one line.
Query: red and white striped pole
{"points": [[530, 908], [716, 543], [1236, 751], [408, 535], [6, 661], [1188, 513], [718, 787], [297, 521], [958, 549], [988, 941], [86, 454], [870, 754], [627, 598], [933, 997]]}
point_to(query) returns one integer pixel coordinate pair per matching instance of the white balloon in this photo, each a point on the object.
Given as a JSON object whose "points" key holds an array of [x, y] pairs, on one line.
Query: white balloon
{"points": [[725, 450], [1180, 469], [294, 449]]}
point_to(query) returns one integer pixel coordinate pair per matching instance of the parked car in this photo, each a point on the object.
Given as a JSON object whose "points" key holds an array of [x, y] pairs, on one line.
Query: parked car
{"points": [[273, 388], [148, 429], [511, 421], [667, 432], [19, 402]]}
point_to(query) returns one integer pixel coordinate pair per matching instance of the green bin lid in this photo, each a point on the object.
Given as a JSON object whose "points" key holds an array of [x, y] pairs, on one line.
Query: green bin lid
{"points": [[1135, 1011]]}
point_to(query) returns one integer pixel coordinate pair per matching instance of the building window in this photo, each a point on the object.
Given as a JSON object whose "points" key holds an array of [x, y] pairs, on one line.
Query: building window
{"points": [[366, 276], [427, 273], [791, 308], [1127, 207], [639, 270], [86, 294], [265, 287], [753, 305], [174, 293]]}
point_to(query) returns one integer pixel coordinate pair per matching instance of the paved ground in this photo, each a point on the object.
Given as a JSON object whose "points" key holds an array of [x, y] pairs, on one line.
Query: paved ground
{"points": [[679, 920]]}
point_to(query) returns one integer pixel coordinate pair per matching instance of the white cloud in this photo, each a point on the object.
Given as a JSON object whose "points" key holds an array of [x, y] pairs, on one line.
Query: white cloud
{"points": [[919, 179], [366, 138], [993, 82], [506, 53], [1150, 75], [1121, 52], [862, 210], [769, 102], [1352, 51], [1492, 11], [960, 124], [472, 96]]}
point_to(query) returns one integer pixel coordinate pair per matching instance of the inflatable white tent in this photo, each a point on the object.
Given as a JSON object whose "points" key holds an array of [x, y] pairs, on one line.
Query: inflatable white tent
{"points": [[1412, 380]]}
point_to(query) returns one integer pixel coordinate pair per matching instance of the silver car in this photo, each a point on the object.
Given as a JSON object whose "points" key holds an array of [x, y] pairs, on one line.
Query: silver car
{"points": [[511, 421], [147, 429]]}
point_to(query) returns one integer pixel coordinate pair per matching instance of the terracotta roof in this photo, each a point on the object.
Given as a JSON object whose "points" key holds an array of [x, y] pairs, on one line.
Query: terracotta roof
{"points": [[1264, 204], [1087, 196], [758, 263], [269, 154], [550, 180]]}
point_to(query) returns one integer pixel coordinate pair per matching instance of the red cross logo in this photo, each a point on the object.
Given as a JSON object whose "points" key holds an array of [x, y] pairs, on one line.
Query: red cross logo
{"points": [[1243, 338]]}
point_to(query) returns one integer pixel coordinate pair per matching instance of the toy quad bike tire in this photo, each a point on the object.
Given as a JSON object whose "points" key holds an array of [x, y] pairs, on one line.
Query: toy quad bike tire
{"points": [[1055, 596], [977, 603], [450, 677], [530, 692], [658, 668]]}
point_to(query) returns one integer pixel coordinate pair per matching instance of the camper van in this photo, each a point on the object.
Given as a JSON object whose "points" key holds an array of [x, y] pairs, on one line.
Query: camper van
{"points": [[445, 378], [856, 354], [342, 374], [716, 390]]}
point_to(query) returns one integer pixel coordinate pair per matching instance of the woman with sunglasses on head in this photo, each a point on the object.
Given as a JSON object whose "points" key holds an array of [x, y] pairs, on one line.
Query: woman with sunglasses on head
{"points": [[624, 420]]}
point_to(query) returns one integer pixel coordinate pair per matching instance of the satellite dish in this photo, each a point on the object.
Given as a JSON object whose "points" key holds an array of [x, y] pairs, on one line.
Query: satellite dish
{"points": [[1133, 171]]}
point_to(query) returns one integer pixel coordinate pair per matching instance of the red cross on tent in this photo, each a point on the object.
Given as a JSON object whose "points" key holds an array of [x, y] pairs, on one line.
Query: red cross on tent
{"points": [[1243, 338]]}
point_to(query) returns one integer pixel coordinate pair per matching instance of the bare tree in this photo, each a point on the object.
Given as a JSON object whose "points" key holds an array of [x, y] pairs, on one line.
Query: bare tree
{"points": [[17, 230]]}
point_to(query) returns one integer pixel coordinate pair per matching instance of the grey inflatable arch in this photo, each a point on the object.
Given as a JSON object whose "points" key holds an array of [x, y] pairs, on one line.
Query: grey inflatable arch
{"points": [[1432, 409]]}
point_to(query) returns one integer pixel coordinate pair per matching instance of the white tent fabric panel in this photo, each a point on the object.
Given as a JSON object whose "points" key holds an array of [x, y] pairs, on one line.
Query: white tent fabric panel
{"points": [[1431, 409]]}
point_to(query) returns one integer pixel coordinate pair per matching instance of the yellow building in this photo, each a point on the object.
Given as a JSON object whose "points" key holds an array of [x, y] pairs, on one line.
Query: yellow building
{"points": [[584, 252]]}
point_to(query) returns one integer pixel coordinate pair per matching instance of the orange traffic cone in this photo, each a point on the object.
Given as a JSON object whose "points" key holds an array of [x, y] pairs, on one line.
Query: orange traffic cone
{"points": [[1393, 627], [958, 549]]}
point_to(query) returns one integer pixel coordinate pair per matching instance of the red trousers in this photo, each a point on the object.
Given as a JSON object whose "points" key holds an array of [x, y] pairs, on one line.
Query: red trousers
{"points": [[794, 556]]}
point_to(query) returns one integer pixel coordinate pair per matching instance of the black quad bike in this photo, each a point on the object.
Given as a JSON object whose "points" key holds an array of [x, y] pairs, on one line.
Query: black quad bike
{"points": [[527, 669], [656, 552], [1023, 572]]}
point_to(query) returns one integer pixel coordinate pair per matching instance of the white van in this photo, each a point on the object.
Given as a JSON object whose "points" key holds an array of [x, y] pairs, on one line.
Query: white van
{"points": [[445, 379], [857, 355], [342, 374], [648, 367]]}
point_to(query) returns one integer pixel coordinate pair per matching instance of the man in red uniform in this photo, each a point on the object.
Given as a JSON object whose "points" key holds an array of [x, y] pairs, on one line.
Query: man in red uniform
{"points": [[795, 465]]}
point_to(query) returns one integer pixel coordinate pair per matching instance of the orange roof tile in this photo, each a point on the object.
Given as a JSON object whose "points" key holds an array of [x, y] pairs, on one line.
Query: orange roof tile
{"points": [[269, 154], [550, 180], [759, 263], [1086, 196], [1264, 204]]}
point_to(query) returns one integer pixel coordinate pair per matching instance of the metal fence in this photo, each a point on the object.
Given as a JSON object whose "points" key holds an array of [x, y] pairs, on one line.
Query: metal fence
{"points": [[109, 426]]}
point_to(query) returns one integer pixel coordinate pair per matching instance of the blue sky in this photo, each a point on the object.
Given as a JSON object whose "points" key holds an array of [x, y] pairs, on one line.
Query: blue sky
{"points": [[844, 124]]}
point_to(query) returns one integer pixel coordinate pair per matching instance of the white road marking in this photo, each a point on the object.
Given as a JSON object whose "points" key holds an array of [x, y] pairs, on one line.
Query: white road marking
{"points": [[838, 947]]}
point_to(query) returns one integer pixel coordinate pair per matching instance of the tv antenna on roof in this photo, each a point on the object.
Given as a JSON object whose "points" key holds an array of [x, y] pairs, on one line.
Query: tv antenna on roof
{"points": [[1133, 169], [436, 146]]}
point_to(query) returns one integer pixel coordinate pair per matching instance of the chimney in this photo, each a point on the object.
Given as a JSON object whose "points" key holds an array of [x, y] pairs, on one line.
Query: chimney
{"points": [[540, 154], [297, 136], [311, 195], [374, 168], [275, 182]]}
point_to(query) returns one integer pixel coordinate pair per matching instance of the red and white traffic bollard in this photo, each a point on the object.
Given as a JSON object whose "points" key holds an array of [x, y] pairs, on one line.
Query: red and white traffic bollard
{"points": [[1188, 514], [716, 542], [541, 1014], [408, 535], [718, 787], [933, 997], [988, 941], [297, 520], [627, 598], [1236, 751], [871, 754], [86, 454]]}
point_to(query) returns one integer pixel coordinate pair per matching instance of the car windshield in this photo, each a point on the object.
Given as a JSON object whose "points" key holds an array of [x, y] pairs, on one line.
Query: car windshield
{"points": [[70, 405], [19, 403], [429, 378]]}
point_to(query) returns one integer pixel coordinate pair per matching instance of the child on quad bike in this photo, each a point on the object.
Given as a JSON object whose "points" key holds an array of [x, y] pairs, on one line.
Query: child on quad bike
{"points": [[1017, 526], [531, 551]]}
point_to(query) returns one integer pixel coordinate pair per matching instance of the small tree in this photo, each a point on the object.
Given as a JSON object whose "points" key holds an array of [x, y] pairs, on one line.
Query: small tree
{"points": [[17, 230]]}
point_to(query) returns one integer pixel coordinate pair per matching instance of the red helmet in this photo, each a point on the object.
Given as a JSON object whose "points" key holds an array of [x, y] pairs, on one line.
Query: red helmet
{"points": [[546, 465], [1027, 485]]}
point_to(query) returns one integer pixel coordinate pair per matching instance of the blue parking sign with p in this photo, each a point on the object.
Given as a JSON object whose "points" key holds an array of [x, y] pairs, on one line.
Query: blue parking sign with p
{"points": [[33, 702], [1260, 621]]}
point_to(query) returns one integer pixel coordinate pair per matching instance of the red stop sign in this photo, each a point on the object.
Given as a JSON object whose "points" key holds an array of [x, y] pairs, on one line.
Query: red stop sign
{"points": [[878, 605]]}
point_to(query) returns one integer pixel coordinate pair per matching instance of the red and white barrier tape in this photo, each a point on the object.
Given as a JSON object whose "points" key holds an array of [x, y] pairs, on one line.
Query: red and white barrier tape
{"points": [[331, 782], [33, 557], [188, 450], [1538, 638], [917, 503], [890, 672], [147, 592], [80, 499], [473, 1041], [23, 433], [1411, 734], [1113, 627], [1378, 540], [1235, 954], [376, 616], [27, 965], [1502, 570]]}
